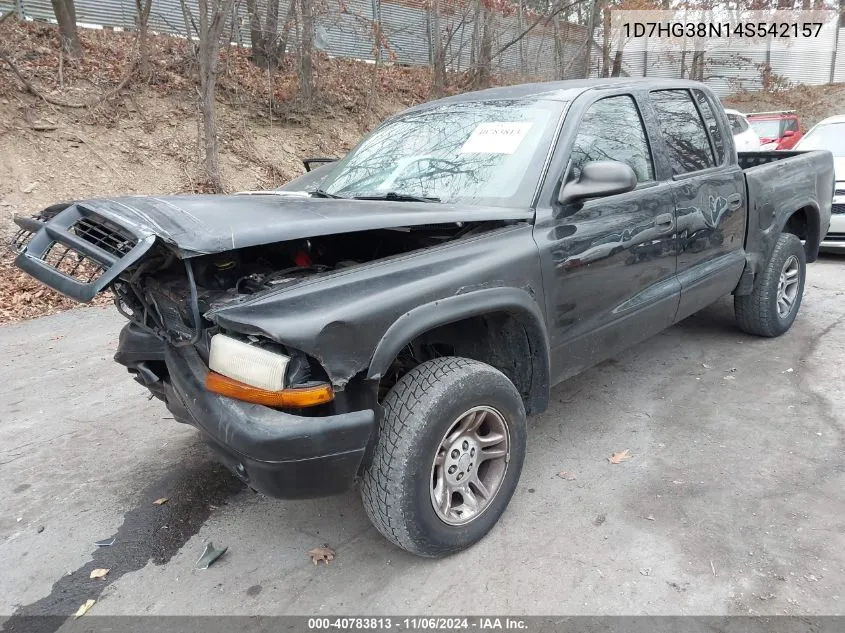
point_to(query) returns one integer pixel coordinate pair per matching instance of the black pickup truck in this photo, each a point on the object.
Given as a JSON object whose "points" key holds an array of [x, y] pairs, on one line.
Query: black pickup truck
{"points": [[393, 317]]}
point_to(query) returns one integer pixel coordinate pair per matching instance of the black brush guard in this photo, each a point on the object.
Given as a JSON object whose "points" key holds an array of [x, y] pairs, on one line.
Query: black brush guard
{"points": [[77, 252]]}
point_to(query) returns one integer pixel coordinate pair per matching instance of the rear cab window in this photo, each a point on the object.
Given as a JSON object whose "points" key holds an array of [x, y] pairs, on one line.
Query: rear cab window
{"points": [[713, 128], [683, 130]]}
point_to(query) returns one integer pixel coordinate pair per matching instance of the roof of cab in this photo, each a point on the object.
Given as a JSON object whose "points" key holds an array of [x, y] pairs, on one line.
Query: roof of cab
{"points": [[564, 90]]}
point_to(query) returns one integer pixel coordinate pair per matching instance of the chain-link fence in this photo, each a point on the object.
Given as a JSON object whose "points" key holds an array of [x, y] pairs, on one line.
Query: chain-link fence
{"points": [[398, 31]]}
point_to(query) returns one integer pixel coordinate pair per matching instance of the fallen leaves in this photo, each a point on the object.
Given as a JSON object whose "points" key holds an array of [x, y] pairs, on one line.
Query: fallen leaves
{"points": [[83, 609], [324, 553], [621, 456], [161, 502], [567, 475], [98, 573], [22, 297]]}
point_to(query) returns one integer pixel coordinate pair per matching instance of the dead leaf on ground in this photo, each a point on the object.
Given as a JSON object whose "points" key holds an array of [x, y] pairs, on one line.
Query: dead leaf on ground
{"points": [[99, 573], [83, 609], [324, 553], [162, 501], [565, 474], [621, 456]]}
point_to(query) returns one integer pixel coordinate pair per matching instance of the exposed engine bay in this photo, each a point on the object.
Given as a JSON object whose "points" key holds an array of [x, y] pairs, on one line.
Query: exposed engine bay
{"points": [[169, 295]]}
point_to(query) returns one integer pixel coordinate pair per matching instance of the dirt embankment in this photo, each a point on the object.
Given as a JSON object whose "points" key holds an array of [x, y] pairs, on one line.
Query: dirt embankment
{"points": [[143, 140]]}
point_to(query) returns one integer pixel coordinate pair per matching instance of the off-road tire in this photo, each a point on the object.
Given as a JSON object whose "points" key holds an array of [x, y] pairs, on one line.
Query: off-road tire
{"points": [[418, 412], [757, 313]]}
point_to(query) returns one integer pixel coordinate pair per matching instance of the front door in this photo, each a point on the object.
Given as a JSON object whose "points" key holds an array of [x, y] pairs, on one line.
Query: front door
{"points": [[608, 263]]}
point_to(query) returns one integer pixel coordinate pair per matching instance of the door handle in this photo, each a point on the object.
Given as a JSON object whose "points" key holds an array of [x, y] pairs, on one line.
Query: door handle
{"points": [[735, 201], [665, 221]]}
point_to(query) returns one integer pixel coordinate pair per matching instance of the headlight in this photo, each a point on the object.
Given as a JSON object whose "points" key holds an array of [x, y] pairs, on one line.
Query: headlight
{"points": [[253, 374], [247, 363]]}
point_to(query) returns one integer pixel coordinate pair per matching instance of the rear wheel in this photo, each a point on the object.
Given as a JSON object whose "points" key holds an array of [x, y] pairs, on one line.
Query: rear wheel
{"points": [[772, 306], [448, 457]]}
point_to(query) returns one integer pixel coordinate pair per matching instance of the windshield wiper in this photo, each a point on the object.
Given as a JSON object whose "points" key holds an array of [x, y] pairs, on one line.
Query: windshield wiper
{"points": [[319, 193], [398, 197]]}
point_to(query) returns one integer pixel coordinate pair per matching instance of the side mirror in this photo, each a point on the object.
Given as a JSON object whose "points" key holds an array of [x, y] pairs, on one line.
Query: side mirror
{"points": [[788, 133], [597, 179], [316, 161]]}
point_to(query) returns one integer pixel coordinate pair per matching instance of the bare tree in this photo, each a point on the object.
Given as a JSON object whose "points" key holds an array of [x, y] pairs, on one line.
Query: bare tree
{"points": [[484, 59], [306, 53], [66, 17], [438, 53], [268, 45], [209, 31], [143, 8]]}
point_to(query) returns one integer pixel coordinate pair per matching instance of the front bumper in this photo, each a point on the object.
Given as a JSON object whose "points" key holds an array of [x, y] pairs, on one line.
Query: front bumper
{"points": [[835, 238], [280, 454]]}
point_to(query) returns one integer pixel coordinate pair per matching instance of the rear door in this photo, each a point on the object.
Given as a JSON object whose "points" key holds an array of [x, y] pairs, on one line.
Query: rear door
{"points": [[608, 263], [709, 193]]}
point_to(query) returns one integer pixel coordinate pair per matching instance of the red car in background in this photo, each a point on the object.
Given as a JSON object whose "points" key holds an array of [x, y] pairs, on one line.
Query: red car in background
{"points": [[777, 130]]}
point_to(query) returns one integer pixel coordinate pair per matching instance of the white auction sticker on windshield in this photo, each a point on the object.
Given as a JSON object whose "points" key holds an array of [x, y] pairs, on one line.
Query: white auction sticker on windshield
{"points": [[495, 138]]}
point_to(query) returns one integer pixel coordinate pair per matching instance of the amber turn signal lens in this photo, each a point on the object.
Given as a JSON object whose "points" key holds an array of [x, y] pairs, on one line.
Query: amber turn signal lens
{"points": [[293, 398]]}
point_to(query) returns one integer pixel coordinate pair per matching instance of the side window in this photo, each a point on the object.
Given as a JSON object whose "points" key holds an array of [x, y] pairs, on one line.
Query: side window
{"points": [[712, 126], [612, 130], [683, 131]]}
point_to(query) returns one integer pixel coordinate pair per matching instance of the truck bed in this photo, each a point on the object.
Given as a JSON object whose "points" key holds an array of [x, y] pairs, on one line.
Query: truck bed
{"points": [[747, 160], [779, 183]]}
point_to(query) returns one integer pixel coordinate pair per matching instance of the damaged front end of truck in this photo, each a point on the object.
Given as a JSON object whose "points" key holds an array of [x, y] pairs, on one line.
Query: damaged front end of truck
{"points": [[255, 317]]}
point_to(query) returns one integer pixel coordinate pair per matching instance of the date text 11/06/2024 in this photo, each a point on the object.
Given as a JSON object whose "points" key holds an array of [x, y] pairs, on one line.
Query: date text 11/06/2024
{"points": [[417, 623], [722, 29]]}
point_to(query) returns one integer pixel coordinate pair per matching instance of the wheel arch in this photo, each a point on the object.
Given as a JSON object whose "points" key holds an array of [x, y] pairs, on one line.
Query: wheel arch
{"points": [[517, 308], [805, 223]]}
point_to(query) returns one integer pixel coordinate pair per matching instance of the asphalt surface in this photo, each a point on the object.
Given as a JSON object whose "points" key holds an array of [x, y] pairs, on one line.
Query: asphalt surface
{"points": [[733, 501]]}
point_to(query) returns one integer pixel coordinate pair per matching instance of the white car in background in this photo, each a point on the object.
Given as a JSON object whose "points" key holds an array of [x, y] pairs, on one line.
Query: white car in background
{"points": [[829, 134], [745, 138]]}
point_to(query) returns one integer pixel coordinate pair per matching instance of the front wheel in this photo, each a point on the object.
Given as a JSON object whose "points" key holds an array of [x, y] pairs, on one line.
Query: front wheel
{"points": [[772, 306], [448, 456]]}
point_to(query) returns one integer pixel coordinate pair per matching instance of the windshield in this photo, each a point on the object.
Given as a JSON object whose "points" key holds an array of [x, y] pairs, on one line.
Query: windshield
{"points": [[830, 137], [480, 152], [767, 128]]}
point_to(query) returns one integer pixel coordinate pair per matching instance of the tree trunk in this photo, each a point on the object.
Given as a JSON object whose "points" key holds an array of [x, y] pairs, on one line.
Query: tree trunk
{"points": [[143, 8], [616, 71], [210, 31], [438, 79], [473, 48], [605, 44], [586, 60], [306, 61], [485, 49], [266, 47], [283, 38], [66, 17], [209, 128]]}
